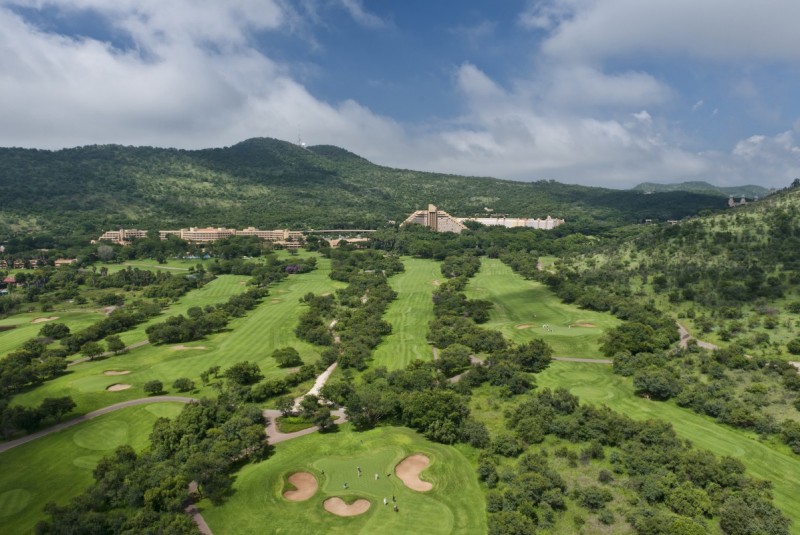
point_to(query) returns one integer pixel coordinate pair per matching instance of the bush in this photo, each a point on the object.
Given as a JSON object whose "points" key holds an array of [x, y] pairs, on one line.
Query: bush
{"points": [[287, 357], [154, 387], [183, 384], [794, 346]]}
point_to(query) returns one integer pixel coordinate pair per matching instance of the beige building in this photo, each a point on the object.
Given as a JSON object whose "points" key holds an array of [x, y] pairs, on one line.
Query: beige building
{"points": [[547, 223], [441, 221], [123, 236], [435, 219], [288, 238]]}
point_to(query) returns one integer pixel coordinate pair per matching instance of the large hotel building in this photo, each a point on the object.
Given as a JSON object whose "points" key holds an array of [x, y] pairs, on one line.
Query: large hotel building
{"points": [[207, 235], [441, 221]]}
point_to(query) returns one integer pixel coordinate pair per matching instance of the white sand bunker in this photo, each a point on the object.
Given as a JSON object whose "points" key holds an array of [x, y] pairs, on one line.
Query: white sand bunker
{"points": [[42, 320], [117, 387], [184, 348], [339, 507], [116, 372], [582, 325], [409, 469], [305, 487], [524, 326]]}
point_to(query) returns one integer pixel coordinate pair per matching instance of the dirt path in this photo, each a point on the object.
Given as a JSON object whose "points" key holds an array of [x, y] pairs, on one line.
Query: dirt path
{"points": [[686, 336], [90, 415], [109, 353], [318, 384]]}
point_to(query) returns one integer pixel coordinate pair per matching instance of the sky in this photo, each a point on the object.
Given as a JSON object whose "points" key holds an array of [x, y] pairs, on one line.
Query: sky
{"points": [[599, 92]]}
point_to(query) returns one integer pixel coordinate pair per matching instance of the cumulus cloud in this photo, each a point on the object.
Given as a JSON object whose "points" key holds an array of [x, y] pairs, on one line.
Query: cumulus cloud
{"points": [[712, 29], [191, 73]]}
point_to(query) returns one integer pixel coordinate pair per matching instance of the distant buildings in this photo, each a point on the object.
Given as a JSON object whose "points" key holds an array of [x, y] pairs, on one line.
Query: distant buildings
{"points": [[435, 219], [288, 238], [441, 221]]}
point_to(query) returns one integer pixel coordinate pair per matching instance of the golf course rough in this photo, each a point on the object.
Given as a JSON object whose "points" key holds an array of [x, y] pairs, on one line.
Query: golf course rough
{"points": [[455, 504]]}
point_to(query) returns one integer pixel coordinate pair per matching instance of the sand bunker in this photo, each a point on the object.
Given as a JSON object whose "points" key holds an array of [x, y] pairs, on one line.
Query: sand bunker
{"points": [[583, 325], [42, 320], [338, 507], [436, 282], [116, 372], [524, 326], [117, 387], [305, 485], [184, 348], [409, 469], [276, 300]]}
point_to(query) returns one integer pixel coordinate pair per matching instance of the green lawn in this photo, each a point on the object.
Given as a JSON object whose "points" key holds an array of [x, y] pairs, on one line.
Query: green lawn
{"points": [[59, 466], [253, 337], [409, 315], [597, 384], [73, 317], [455, 505], [522, 307]]}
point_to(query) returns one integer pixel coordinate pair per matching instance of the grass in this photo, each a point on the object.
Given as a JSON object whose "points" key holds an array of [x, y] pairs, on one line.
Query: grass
{"points": [[409, 315], [455, 505], [523, 306], [254, 337], [290, 424], [74, 318], [59, 466], [597, 384]]}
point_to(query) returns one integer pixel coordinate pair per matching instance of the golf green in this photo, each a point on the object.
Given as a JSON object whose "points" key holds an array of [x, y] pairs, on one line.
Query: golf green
{"points": [[454, 505]]}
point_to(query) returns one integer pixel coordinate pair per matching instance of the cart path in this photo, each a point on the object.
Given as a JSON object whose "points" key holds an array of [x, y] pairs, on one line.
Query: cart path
{"points": [[90, 415]]}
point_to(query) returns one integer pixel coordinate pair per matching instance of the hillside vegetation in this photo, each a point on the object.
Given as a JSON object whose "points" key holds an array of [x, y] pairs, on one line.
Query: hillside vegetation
{"points": [[274, 184]]}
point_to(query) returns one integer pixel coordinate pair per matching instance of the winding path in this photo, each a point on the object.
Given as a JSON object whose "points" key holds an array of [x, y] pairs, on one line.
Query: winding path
{"points": [[90, 415], [686, 336]]}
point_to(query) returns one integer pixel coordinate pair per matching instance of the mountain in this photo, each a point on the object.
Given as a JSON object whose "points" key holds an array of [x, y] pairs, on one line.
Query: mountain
{"points": [[274, 184], [749, 191]]}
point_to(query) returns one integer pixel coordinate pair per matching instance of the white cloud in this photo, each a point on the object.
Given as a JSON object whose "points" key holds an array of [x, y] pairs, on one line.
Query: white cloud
{"points": [[361, 16], [711, 29], [195, 78]]}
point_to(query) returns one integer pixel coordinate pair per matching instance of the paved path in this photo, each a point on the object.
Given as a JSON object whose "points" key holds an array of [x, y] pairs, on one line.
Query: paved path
{"points": [[275, 437], [90, 415]]}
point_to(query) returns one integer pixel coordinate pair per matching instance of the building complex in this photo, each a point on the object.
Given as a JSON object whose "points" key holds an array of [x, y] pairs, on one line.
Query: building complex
{"points": [[441, 221], [284, 237]]}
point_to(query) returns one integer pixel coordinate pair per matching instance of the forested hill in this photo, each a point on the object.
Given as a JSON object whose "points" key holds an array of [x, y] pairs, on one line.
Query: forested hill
{"points": [[749, 191], [270, 183]]}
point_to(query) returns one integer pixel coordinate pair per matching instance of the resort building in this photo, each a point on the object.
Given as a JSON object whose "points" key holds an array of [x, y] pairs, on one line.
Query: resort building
{"points": [[288, 238], [441, 221], [435, 219], [123, 236], [548, 223]]}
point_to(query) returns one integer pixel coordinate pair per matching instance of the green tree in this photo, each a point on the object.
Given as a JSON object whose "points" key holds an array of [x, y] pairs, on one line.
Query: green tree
{"points": [[183, 384], [287, 357], [91, 350], [153, 387], [244, 373], [115, 344]]}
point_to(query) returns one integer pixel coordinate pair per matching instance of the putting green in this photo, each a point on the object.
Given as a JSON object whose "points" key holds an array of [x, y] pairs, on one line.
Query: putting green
{"points": [[454, 505]]}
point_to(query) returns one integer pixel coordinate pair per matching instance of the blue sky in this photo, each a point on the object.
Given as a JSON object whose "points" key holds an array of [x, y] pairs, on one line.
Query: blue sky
{"points": [[600, 92]]}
